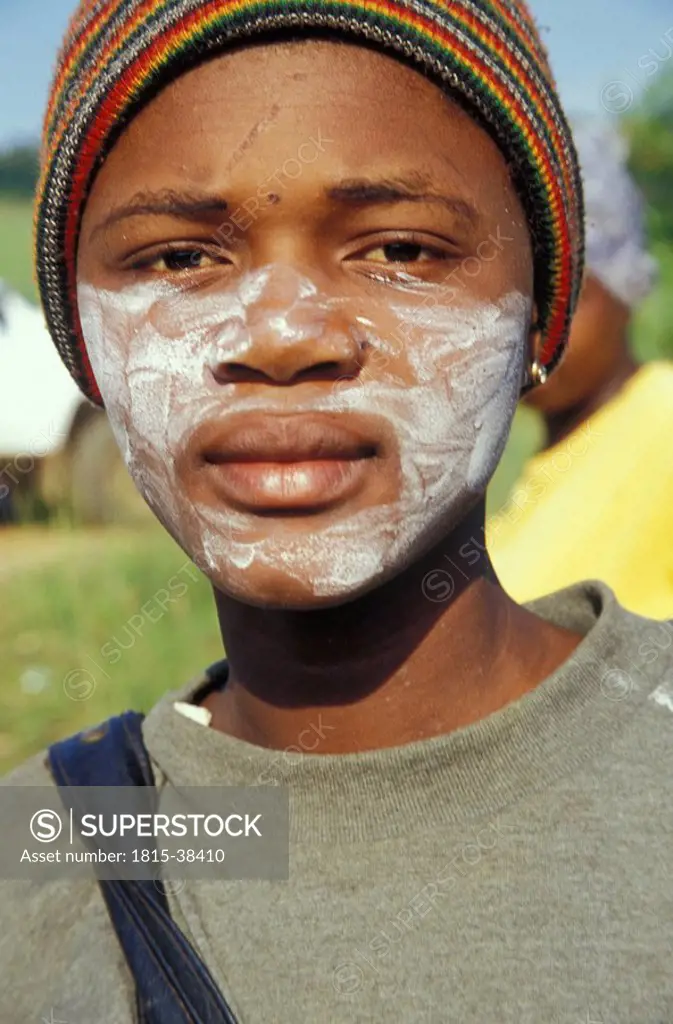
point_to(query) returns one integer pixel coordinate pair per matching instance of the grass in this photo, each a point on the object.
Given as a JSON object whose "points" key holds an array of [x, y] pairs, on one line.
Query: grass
{"points": [[653, 326], [16, 245], [85, 637], [524, 440]]}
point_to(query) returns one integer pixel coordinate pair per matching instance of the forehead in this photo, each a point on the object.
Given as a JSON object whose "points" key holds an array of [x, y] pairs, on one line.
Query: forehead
{"points": [[245, 114]]}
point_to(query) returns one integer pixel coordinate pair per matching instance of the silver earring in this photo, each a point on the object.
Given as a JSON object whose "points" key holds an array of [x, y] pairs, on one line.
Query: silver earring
{"points": [[537, 373]]}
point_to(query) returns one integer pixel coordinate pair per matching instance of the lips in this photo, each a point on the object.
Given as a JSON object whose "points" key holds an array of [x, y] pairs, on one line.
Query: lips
{"points": [[284, 464]]}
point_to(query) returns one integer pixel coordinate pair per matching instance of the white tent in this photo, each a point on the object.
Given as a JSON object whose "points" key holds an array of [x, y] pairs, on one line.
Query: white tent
{"points": [[38, 398]]}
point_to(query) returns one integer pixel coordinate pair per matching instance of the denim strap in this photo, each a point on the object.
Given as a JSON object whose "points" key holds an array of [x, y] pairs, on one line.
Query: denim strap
{"points": [[173, 985]]}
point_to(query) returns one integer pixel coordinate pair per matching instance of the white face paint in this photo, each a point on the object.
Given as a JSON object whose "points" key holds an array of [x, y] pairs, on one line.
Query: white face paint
{"points": [[444, 382]]}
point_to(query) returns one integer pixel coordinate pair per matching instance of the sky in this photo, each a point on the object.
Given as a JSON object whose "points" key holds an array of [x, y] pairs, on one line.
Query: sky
{"points": [[604, 53]]}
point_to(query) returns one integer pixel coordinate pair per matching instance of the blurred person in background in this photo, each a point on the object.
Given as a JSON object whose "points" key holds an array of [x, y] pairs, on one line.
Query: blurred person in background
{"points": [[602, 488]]}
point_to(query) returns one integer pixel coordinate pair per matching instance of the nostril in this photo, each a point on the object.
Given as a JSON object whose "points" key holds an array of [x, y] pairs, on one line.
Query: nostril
{"points": [[328, 370], [239, 373], [242, 373], [323, 353]]}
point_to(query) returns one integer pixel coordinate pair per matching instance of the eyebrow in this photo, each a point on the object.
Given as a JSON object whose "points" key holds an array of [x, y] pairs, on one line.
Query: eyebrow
{"points": [[367, 191], [188, 206], [195, 207]]}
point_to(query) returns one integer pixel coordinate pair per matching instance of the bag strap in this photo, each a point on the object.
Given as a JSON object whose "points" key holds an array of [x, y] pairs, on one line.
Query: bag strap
{"points": [[173, 985], [111, 754]]}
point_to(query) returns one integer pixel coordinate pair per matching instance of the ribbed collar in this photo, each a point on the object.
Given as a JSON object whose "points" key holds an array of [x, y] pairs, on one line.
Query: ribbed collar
{"points": [[469, 775]]}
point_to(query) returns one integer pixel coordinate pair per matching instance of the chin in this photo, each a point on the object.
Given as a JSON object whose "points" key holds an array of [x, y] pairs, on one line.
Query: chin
{"points": [[276, 590], [291, 566], [318, 572]]}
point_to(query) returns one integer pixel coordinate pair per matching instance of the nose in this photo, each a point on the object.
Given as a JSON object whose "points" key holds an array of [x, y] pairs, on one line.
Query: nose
{"points": [[294, 335]]}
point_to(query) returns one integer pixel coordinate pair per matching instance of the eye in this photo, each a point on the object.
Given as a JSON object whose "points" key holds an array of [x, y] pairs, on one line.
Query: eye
{"points": [[403, 256], [402, 252], [182, 260]]}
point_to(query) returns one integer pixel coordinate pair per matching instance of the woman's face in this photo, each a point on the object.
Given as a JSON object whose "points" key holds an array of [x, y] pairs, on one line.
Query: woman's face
{"points": [[305, 287]]}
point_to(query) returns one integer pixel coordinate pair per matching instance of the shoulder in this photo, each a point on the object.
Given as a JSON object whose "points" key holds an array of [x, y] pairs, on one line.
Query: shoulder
{"points": [[33, 772], [649, 660], [58, 952], [617, 643], [637, 673]]}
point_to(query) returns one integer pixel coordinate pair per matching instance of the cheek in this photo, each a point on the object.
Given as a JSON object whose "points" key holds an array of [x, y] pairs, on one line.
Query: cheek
{"points": [[145, 375], [139, 387], [468, 366]]}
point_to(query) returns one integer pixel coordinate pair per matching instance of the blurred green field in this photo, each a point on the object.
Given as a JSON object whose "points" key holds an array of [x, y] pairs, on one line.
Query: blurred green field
{"points": [[96, 632], [16, 245], [653, 323]]}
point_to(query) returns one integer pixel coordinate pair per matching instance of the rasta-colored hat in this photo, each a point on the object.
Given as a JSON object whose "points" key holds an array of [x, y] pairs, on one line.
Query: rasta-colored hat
{"points": [[119, 53]]}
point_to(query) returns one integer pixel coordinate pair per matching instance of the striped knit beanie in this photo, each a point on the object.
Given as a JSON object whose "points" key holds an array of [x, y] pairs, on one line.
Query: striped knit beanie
{"points": [[119, 53]]}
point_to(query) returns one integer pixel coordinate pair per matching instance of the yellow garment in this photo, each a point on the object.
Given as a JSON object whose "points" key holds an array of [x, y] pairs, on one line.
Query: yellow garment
{"points": [[598, 505]]}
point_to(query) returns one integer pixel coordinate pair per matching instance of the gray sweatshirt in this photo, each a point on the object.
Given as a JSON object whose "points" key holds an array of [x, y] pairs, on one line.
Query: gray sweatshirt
{"points": [[518, 870]]}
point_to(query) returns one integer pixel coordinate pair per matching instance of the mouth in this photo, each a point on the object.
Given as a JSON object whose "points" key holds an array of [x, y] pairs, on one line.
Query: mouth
{"points": [[290, 465]]}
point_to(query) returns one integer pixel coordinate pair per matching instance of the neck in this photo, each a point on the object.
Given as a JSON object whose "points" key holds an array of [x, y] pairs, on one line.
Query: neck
{"points": [[437, 648], [560, 425]]}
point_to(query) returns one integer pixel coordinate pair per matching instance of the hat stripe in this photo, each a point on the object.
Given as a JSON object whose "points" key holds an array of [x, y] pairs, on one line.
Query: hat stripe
{"points": [[84, 49], [517, 26], [85, 37], [524, 79]]}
